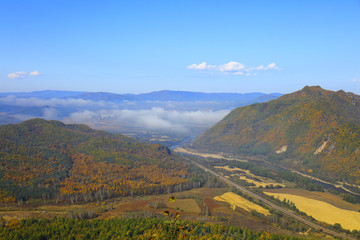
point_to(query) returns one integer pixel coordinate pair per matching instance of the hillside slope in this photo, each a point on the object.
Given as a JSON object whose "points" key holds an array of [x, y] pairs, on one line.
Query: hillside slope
{"points": [[312, 130], [48, 159]]}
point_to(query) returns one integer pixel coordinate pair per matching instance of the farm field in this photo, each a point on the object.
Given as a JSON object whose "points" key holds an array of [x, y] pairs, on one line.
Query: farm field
{"points": [[227, 168], [262, 183], [323, 211], [249, 177], [327, 197], [237, 201]]}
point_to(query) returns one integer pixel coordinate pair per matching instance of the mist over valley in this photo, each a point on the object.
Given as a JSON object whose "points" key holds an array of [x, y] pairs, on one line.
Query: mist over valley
{"points": [[168, 117]]}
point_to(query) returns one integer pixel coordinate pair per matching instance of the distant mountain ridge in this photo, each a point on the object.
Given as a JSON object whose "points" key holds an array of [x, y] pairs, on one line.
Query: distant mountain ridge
{"points": [[183, 96], [313, 130], [164, 95], [46, 94]]}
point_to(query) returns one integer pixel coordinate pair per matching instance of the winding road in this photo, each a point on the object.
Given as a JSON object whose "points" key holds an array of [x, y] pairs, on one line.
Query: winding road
{"points": [[274, 206]]}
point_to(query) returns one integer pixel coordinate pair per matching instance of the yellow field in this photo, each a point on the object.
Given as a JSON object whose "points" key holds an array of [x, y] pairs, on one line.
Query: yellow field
{"points": [[238, 201], [327, 197], [263, 181], [227, 168], [323, 211]]}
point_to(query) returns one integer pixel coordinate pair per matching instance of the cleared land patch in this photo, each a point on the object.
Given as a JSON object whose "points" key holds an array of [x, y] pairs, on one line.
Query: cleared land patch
{"points": [[237, 201], [249, 177], [187, 205], [262, 183], [227, 168], [323, 211]]}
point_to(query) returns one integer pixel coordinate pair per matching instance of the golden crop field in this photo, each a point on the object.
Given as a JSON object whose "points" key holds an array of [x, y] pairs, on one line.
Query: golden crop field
{"points": [[264, 183], [327, 197], [248, 176], [323, 211], [227, 168], [238, 201]]}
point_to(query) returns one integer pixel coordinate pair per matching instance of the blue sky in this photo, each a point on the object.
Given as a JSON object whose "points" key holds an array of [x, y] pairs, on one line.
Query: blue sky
{"points": [[208, 46]]}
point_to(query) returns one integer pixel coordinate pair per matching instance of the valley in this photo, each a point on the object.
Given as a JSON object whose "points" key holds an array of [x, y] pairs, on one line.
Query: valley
{"points": [[180, 120], [51, 170]]}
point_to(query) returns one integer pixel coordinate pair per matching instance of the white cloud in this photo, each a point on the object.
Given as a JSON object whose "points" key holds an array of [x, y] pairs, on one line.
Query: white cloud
{"points": [[22, 74], [155, 119], [22, 117], [238, 73], [262, 67], [16, 75], [53, 102], [35, 73], [355, 80], [259, 68], [234, 68], [114, 116], [231, 67], [272, 66], [201, 66], [50, 114]]}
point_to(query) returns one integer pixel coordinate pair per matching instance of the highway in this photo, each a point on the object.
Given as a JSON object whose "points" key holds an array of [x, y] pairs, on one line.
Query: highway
{"points": [[272, 205]]}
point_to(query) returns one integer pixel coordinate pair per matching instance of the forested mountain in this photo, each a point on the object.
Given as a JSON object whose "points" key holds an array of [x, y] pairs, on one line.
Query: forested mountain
{"points": [[48, 159], [313, 130]]}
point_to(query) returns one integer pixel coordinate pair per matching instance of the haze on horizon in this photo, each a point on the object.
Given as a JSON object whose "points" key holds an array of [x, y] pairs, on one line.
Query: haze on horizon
{"points": [[142, 46]]}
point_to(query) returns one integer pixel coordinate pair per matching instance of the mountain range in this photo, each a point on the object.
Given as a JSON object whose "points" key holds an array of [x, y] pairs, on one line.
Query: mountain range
{"points": [[164, 95]]}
